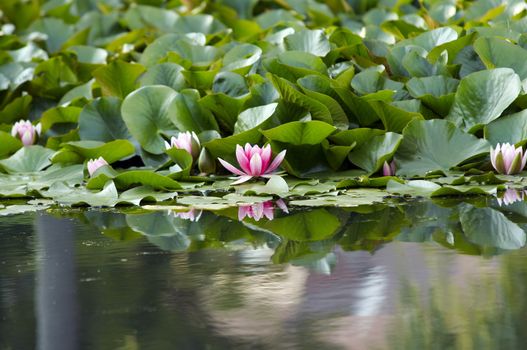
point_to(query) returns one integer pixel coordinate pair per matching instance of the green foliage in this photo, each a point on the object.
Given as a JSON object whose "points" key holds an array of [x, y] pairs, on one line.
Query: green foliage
{"points": [[342, 87]]}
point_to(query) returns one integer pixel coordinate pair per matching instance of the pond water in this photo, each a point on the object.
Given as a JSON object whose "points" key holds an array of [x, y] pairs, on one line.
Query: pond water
{"points": [[416, 275]]}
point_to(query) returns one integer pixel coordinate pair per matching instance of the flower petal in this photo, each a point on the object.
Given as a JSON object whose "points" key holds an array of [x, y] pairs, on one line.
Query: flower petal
{"points": [[386, 170], [257, 211], [27, 138], [266, 157], [230, 167], [242, 179], [242, 159], [281, 204], [256, 165], [243, 211], [276, 162], [248, 149]]}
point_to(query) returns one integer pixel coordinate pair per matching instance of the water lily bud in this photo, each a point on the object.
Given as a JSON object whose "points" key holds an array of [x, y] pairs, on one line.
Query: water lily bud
{"points": [[26, 131], [94, 164], [388, 169], [187, 141], [206, 163], [507, 159]]}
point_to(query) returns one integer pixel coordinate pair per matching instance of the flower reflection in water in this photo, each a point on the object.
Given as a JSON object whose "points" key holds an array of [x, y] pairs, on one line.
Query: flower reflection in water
{"points": [[510, 196], [259, 210], [192, 214]]}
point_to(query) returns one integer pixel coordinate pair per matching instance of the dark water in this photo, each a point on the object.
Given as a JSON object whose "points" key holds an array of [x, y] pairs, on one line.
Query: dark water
{"points": [[418, 275]]}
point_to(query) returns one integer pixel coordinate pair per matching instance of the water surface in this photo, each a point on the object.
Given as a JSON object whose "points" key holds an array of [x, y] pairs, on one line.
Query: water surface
{"points": [[400, 276]]}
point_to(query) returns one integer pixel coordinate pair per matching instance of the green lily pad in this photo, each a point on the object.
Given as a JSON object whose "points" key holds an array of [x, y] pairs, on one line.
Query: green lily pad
{"points": [[511, 128], [312, 41], [146, 113], [101, 120], [28, 159], [483, 96], [300, 133], [435, 145], [118, 78], [111, 151], [372, 154]]}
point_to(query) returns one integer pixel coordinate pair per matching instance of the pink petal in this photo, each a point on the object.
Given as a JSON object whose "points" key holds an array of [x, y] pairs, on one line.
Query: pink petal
{"points": [[268, 210], [256, 150], [276, 162], [257, 211], [281, 204], [392, 167], [256, 165], [242, 159], [386, 170], [27, 138], [266, 157], [243, 211], [230, 167], [242, 179], [248, 149]]}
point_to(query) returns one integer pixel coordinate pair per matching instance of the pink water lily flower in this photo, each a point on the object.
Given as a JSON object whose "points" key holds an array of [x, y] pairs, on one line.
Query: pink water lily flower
{"points": [[259, 210], [94, 164], [388, 169], [26, 131], [507, 159], [187, 141], [254, 162]]}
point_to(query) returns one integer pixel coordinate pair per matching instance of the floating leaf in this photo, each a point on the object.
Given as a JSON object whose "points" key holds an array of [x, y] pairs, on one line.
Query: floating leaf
{"points": [[300, 133], [101, 120], [511, 128], [483, 96], [118, 78], [111, 151], [372, 154], [496, 52], [434, 145], [311, 41], [146, 113], [28, 159]]}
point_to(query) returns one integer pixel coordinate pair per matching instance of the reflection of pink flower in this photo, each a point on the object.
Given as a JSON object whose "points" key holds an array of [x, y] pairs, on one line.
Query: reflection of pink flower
{"points": [[388, 169], [192, 214], [259, 210], [26, 131], [507, 159], [254, 162], [510, 196], [94, 164], [187, 141]]}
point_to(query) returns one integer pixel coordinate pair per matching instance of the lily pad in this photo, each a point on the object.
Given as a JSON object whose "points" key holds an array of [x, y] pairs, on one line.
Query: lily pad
{"points": [[27, 160], [483, 96], [435, 145]]}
